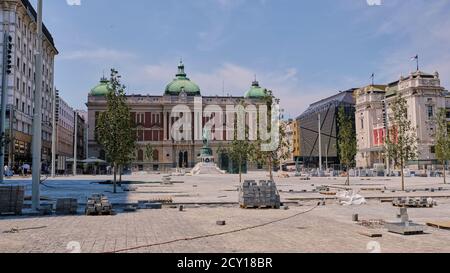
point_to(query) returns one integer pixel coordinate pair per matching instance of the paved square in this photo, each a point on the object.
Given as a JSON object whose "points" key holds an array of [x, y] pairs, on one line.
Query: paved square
{"points": [[208, 199]]}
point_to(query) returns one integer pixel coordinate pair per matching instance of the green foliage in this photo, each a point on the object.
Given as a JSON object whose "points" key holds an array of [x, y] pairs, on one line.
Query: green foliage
{"points": [[401, 143], [280, 151], [442, 138], [149, 152], [346, 138], [115, 129]]}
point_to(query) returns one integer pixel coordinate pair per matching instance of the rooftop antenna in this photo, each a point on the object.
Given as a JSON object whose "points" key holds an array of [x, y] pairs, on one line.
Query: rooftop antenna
{"points": [[223, 88]]}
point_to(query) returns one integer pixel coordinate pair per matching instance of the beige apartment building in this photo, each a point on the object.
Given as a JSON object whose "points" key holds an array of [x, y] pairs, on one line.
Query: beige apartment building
{"points": [[424, 95], [18, 19]]}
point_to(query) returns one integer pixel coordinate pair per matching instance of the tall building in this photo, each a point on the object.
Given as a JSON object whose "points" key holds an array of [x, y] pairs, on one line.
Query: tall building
{"points": [[64, 135], [424, 96], [18, 19], [152, 116], [370, 125], [327, 109]]}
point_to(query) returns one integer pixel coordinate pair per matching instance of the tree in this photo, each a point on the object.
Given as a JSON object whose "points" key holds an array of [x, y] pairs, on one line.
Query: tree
{"points": [[149, 152], [442, 139], [279, 152], [401, 144], [115, 129], [346, 141], [238, 150]]}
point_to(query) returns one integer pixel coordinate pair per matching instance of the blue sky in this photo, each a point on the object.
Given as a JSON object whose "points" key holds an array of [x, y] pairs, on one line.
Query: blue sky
{"points": [[304, 50]]}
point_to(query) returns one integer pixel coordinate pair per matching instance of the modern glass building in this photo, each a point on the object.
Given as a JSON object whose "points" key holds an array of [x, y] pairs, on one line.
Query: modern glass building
{"points": [[308, 123]]}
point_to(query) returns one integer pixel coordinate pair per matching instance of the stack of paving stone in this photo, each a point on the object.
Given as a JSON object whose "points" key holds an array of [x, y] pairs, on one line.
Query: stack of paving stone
{"points": [[98, 204], [417, 202], [66, 206], [11, 199], [262, 195]]}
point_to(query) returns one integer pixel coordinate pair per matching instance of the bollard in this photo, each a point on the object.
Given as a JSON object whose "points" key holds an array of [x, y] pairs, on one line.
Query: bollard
{"points": [[355, 217]]}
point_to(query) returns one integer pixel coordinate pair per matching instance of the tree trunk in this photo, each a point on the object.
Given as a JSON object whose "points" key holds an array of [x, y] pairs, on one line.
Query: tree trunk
{"points": [[120, 175], [270, 169], [403, 176], [347, 183], [115, 178], [240, 172], [445, 165]]}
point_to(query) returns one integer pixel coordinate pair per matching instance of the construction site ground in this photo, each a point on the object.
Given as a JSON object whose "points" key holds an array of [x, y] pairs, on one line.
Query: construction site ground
{"points": [[210, 198]]}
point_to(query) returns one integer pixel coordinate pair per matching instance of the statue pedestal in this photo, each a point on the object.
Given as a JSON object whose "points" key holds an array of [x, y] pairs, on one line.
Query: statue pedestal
{"points": [[206, 166]]}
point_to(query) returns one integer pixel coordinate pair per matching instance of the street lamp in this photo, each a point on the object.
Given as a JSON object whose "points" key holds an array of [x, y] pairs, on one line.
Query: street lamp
{"points": [[37, 118]]}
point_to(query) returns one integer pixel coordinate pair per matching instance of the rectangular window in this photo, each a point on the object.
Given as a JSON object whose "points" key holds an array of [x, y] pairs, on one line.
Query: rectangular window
{"points": [[430, 111]]}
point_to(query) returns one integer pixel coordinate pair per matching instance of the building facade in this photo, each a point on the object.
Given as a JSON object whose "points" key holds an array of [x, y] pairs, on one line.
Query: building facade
{"points": [[18, 18], [64, 135], [327, 111], [154, 122], [370, 125], [424, 95]]}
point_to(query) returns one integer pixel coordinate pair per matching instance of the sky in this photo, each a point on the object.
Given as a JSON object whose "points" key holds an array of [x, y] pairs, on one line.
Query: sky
{"points": [[303, 50]]}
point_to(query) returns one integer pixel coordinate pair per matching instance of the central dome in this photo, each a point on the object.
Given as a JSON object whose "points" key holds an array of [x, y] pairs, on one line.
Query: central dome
{"points": [[181, 83]]}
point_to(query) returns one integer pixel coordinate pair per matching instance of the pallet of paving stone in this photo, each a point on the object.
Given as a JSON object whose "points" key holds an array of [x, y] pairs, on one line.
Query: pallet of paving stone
{"points": [[98, 205], [66, 206], [11, 199], [161, 199], [259, 195], [417, 202]]}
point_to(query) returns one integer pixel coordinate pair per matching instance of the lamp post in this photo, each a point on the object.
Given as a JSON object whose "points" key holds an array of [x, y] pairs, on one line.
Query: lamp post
{"points": [[37, 118]]}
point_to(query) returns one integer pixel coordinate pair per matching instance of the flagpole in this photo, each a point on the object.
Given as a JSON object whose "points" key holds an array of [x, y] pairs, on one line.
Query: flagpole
{"points": [[417, 60]]}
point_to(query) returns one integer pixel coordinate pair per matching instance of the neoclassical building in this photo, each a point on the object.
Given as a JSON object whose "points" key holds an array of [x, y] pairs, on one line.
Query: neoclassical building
{"points": [[424, 95], [152, 115]]}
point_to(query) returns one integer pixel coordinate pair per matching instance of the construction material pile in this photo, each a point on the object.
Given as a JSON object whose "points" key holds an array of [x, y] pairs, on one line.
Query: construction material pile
{"points": [[66, 206], [11, 199], [414, 202], [350, 198], [98, 204], [262, 195]]}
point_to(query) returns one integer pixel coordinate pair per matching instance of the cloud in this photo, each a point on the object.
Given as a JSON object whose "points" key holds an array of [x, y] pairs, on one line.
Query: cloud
{"points": [[73, 2], [415, 27], [97, 54], [231, 79]]}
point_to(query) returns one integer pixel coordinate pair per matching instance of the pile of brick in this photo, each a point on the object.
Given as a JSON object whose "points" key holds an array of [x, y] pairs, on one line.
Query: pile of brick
{"points": [[66, 206], [11, 199], [416, 202], [262, 195], [98, 204]]}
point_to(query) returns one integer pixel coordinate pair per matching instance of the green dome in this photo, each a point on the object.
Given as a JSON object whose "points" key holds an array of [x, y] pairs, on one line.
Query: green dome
{"points": [[102, 89], [182, 83], [256, 92]]}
